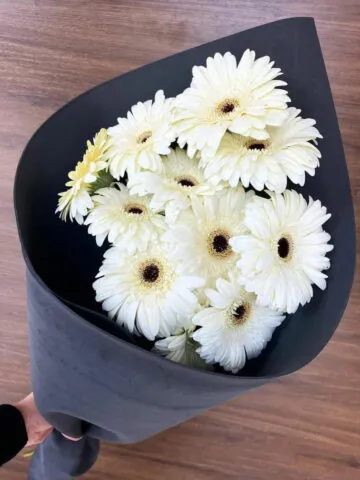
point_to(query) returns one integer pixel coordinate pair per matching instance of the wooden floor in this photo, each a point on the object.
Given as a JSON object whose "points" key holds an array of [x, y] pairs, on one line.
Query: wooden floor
{"points": [[304, 427]]}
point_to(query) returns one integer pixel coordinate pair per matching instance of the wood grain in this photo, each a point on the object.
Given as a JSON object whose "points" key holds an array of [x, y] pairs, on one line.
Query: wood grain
{"points": [[306, 426]]}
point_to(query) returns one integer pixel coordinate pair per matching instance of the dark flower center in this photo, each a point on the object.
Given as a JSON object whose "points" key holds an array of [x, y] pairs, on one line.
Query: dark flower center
{"points": [[186, 182], [135, 210], [257, 146], [144, 137], [240, 314], [227, 107], [151, 273], [283, 247], [220, 243], [253, 144]]}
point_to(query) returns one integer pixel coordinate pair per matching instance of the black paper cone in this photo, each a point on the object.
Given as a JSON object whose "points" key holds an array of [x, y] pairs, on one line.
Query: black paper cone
{"points": [[85, 367]]}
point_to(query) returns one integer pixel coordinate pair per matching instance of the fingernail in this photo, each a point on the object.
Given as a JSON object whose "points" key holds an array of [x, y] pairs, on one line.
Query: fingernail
{"points": [[73, 439]]}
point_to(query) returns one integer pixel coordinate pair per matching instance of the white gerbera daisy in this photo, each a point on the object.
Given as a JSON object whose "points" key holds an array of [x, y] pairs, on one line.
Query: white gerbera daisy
{"points": [[199, 239], [76, 201], [181, 348], [234, 328], [284, 252], [173, 190], [127, 220], [146, 292], [175, 347], [243, 98], [266, 163], [139, 140]]}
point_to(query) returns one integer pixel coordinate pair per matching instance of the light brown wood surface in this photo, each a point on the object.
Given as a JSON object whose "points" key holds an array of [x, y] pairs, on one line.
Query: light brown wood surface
{"points": [[304, 427]]}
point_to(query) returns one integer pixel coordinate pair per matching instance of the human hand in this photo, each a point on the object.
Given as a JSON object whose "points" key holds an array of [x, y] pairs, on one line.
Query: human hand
{"points": [[36, 426]]}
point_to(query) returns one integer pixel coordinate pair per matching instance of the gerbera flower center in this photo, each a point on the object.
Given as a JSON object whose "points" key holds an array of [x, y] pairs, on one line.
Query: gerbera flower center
{"points": [[186, 181], [253, 144], [239, 313], [218, 244], [155, 274], [135, 209], [144, 137], [227, 106], [151, 273], [285, 248]]}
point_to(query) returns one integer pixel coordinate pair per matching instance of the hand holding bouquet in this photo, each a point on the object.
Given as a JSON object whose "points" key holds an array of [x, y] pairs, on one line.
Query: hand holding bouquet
{"points": [[207, 207]]}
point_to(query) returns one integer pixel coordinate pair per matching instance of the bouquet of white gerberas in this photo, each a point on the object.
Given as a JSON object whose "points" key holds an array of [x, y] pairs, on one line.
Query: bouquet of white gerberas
{"points": [[208, 250]]}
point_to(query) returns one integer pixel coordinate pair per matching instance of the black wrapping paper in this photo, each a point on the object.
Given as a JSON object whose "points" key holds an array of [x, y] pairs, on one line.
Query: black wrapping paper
{"points": [[87, 374]]}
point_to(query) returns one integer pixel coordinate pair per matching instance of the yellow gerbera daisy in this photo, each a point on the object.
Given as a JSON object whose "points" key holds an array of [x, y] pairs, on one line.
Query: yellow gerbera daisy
{"points": [[76, 200]]}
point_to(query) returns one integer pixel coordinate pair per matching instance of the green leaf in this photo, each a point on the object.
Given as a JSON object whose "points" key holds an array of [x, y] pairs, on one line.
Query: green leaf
{"points": [[105, 179], [192, 358]]}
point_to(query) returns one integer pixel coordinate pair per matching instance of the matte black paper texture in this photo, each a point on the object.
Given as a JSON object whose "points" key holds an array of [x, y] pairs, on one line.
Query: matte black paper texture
{"points": [[85, 368]]}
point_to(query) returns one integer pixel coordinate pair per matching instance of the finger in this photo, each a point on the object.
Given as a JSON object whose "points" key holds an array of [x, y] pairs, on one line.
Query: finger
{"points": [[38, 437]]}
